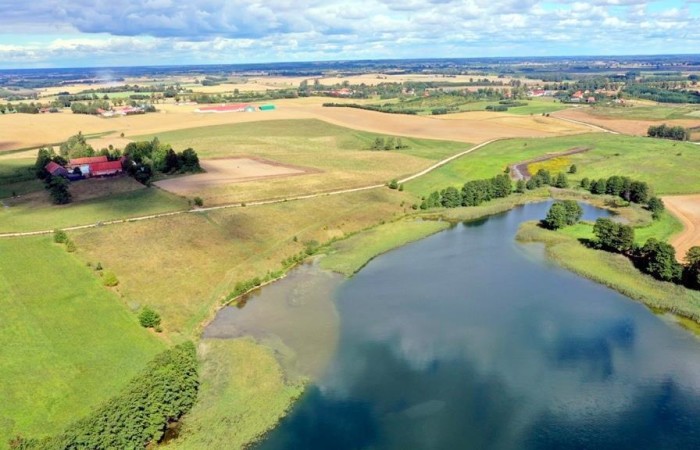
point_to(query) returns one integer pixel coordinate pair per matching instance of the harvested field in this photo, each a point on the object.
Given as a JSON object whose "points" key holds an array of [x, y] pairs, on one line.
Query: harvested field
{"points": [[687, 209], [226, 171], [34, 130], [635, 126]]}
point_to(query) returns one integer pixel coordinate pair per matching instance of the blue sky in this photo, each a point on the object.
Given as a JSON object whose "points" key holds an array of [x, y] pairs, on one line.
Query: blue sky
{"points": [[69, 33]]}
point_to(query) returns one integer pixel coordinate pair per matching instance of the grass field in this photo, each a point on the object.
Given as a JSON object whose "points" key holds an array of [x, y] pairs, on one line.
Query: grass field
{"points": [[647, 112], [184, 265], [350, 255], [68, 342], [35, 212], [340, 156], [614, 271], [244, 393], [662, 163]]}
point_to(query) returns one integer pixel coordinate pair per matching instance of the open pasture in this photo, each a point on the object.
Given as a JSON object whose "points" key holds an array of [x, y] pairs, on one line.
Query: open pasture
{"points": [[199, 257], [223, 171], [333, 157], [68, 342], [662, 163]]}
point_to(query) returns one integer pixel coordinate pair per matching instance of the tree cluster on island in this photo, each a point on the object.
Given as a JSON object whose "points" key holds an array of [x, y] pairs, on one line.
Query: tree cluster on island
{"points": [[561, 214]]}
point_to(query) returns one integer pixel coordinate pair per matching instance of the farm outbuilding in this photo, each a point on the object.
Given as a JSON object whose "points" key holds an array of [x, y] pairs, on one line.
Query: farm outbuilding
{"points": [[268, 107], [236, 107], [56, 169]]}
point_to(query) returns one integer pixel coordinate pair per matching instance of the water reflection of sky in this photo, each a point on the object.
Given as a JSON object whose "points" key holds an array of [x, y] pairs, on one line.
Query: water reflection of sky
{"points": [[460, 341]]}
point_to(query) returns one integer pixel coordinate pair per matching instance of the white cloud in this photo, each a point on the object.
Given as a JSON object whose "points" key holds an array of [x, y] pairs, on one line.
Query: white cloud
{"points": [[249, 30]]}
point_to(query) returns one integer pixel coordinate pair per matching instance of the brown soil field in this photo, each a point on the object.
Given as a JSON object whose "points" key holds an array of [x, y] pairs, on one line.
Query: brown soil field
{"points": [[687, 209], [226, 171], [632, 126], [34, 130]]}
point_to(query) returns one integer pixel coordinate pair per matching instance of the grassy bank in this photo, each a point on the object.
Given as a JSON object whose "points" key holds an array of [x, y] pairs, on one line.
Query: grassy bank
{"points": [[68, 342], [243, 394], [614, 271], [352, 254]]}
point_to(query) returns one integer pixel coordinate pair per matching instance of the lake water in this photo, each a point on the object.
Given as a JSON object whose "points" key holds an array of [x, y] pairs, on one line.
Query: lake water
{"points": [[469, 340]]}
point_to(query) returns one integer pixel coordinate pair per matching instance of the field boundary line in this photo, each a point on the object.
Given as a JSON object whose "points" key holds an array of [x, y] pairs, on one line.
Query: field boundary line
{"points": [[255, 202]]}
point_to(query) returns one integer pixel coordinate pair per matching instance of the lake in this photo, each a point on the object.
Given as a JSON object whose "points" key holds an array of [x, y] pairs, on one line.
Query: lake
{"points": [[469, 340]]}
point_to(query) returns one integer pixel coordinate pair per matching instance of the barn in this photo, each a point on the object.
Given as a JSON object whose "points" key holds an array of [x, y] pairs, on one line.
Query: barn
{"points": [[56, 170], [106, 169]]}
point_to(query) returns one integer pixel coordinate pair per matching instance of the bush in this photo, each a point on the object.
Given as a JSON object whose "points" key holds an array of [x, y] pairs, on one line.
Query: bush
{"points": [[393, 184], [109, 279], [656, 206], [148, 318], [613, 236], [198, 201], [573, 168], [70, 246], [60, 236]]}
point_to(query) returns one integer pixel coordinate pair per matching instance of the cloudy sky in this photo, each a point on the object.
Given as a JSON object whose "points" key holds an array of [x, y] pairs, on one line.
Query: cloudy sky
{"points": [[70, 33]]}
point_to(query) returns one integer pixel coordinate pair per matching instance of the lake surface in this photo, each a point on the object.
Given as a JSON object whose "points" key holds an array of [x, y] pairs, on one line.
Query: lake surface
{"points": [[469, 340]]}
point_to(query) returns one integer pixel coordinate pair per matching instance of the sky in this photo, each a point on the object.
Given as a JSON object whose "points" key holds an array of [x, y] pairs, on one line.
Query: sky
{"points": [[75, 33]]}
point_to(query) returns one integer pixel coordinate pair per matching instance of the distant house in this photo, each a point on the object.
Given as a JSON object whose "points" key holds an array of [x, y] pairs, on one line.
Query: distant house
{"points": [[590, 100], [56, 170], [236, 107], [578, 95], [344, 92], [537, 93]]}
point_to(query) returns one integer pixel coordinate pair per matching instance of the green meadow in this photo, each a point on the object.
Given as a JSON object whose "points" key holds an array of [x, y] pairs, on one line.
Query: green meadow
{"points": [[662, 163], [68, 342]]}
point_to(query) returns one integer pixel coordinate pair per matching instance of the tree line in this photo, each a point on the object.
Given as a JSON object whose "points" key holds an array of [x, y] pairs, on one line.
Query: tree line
{"points": [[656, 258], [665, 132], [143, 158], [627, 189], [472, 193], [139, 415]]}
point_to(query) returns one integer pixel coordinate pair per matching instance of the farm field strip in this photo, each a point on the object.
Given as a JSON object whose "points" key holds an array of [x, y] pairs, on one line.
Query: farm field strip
{"points": [[247, 204]]}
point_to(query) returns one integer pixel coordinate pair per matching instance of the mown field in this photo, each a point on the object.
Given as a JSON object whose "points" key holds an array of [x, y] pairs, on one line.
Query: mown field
{"points": [[68, 342], [662, 163], [338, 157]]}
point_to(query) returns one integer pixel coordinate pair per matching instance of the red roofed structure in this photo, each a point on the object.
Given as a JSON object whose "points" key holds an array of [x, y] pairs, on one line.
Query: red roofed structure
{"points": [[106, 168], [55, 169], [87, 160], [236, 107]]}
